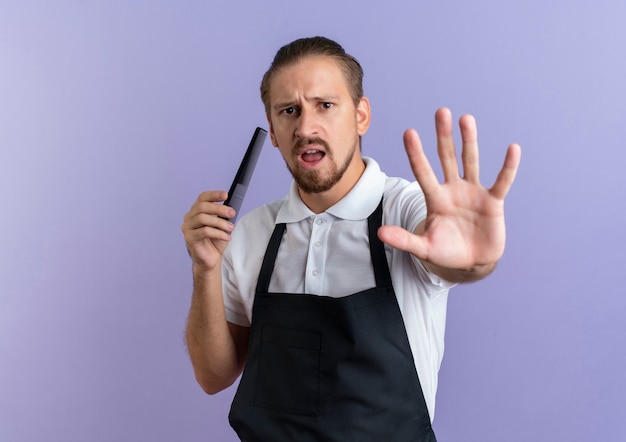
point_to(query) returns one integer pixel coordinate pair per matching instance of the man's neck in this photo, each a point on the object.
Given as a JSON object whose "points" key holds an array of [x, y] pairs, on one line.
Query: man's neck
{"points": [[319, 202]]}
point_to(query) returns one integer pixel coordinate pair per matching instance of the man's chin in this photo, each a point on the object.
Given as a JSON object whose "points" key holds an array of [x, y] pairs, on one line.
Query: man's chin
{"points": [[311, 182]]}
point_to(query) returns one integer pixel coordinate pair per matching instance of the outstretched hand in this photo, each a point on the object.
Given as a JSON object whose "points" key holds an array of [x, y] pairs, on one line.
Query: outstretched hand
{"points": [[463, 235]]}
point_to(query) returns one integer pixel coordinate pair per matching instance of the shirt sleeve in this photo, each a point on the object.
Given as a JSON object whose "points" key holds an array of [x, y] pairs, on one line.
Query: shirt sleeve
{"points": [[429, 276], [235, 310], [413, 211]]}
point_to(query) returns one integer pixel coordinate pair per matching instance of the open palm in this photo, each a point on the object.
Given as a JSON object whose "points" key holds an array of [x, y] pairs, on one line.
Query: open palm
{"points": [[464, 226]]}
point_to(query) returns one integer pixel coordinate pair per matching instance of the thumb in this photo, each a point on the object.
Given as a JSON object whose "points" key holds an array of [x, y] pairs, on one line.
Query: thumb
{"points": [[402, 239]]}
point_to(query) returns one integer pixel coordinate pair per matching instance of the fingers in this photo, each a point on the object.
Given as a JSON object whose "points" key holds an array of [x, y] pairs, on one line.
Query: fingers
{"points": [[469, 154], [206, 204], [419, 163], [206, 219], [200, 220], [506, 176], [446, 150], [445, 144], [401, 239]]}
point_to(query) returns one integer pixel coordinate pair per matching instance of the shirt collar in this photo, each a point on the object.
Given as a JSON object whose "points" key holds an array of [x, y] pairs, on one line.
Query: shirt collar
{"points": [[358, 204]]}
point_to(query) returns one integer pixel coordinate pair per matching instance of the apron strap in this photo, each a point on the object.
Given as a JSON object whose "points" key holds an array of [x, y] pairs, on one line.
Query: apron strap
{"points": [[377, 253], [377, 248], [267, 268]]}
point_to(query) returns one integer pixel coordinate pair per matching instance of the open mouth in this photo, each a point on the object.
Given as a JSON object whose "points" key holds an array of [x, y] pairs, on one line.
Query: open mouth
{"points": [[312, 155]]}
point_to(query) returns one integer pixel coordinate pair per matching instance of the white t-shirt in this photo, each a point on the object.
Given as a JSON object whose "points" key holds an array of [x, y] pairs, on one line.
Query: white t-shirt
{"points": [[328, 254]]}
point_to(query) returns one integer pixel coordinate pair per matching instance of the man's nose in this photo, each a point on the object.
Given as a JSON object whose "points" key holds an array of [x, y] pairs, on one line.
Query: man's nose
{"points": [[308, 124]]}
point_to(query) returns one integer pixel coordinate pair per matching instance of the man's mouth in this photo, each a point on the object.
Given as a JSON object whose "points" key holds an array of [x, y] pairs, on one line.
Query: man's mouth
{"points": [[311, 152], [312, 155]]}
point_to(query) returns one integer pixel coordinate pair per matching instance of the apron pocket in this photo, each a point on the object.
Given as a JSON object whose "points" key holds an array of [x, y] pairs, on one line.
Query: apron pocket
{"points": [[289, 371]]}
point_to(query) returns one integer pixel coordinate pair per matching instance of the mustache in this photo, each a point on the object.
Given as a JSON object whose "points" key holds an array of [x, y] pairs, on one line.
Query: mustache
{"points": [[305, 141]]}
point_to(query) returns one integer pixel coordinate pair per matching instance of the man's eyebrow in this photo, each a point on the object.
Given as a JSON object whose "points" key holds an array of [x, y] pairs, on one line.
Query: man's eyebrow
{"points": [[283, 104], [325, 98]]}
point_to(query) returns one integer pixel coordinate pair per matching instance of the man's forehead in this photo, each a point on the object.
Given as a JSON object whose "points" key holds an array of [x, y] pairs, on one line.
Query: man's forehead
{"points": [[313, 76]]}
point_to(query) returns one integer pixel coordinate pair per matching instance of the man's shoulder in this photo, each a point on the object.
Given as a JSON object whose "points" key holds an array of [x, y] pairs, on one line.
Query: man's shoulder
{"points": [[253, 230], [398, 188], [404, 203], [262, 215]]}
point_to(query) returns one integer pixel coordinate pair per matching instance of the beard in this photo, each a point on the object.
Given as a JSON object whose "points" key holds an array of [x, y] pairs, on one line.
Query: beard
{"points": [[315, 181]]}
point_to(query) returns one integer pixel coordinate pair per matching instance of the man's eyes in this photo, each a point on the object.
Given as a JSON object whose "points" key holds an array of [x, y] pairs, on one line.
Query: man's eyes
{"points": [[293, 110]]}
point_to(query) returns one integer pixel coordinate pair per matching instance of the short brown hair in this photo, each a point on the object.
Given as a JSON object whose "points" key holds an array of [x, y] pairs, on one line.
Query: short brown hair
{"points": [[314, 46]]}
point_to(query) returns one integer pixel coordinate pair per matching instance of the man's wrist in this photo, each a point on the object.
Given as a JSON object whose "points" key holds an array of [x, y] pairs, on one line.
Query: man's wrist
{"points": [[472, 274]]}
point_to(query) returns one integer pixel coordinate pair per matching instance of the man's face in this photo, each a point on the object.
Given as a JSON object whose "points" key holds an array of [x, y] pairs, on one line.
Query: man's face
{"points": [[316, 125]]}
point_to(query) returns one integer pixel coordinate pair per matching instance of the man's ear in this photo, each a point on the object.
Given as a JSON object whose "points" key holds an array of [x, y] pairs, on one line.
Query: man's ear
{"points": [[271, 127], [363, 116]]}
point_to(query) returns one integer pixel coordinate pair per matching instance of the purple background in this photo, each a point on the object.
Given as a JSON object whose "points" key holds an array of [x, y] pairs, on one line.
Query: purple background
{"points": [[114, 115]]}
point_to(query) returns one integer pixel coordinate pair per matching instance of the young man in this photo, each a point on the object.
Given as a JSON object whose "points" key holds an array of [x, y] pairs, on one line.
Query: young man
{"points": [[334, 298]]}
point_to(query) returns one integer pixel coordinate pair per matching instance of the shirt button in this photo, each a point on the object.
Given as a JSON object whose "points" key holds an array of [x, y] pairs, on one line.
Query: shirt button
{"points": [[319, 221], [316, 272], [318, 244]]}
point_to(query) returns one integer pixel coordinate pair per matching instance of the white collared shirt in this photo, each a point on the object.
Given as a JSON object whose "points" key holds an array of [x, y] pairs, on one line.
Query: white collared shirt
{"points": [[328, 254]]}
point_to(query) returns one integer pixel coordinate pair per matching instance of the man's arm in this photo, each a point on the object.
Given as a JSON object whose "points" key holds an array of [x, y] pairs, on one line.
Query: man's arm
{"points": [[463, 235], [216, 347]]}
